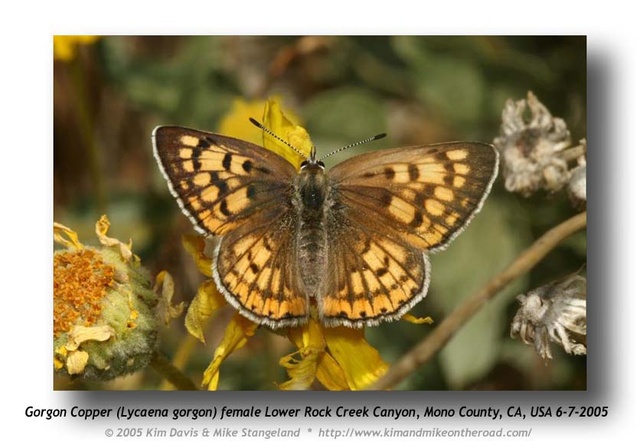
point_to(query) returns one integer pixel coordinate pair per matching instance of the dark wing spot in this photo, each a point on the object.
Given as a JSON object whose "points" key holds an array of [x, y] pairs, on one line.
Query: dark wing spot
{"points": [[366, 247], [386, 197], [389, 173], [251, 191], [223, 188], [247, 166], [428, 189], [196, 152], [226, 162], [263, 169], [414, 172], [254, 268], [223, 208], [381, 271], [417, 219], [448, 178]]}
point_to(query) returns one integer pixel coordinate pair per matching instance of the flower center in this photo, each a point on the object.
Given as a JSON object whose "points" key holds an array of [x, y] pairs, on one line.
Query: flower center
{"points": [[80, 282]]}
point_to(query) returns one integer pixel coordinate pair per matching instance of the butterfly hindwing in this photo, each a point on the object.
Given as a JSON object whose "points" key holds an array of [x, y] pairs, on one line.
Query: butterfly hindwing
{"points": [[375, 274], [255, 267]]}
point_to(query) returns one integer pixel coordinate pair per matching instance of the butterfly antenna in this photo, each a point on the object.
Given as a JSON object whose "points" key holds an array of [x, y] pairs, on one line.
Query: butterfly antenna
{"points": [[273, 134], [361, 142]]}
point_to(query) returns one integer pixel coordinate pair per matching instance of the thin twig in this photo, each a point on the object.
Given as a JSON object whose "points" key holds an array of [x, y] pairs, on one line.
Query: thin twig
{"points": [[163, 366], [430, 345]]}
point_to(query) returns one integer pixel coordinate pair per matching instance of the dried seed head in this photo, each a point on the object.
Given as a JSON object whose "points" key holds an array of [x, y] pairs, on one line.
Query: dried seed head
{"points": [[554, 313], [532, 152]]}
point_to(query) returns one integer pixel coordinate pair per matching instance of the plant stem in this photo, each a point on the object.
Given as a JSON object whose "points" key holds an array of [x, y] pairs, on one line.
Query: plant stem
{"points": [[163, 366]]}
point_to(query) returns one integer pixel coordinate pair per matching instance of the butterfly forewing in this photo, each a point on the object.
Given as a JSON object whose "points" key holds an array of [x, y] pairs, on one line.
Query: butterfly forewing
{"points": [[220, 182], [429, 193]]}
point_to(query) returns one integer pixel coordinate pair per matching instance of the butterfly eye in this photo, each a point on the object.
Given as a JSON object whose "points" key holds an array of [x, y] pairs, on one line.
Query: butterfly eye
{"points": [[305, 163], [321, 163]]}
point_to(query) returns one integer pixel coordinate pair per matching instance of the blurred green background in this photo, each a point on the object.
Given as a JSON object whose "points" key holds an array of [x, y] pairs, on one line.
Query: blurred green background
{"points": [[110, 93]]}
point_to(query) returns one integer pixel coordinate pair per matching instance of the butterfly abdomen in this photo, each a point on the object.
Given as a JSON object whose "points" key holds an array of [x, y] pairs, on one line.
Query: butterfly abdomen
{"points": [[312, 234]]}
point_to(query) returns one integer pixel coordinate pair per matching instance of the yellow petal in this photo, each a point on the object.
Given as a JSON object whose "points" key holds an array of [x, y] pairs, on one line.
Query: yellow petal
{"points": [[76, 362], [360, 362], [307, 336], [195, 245], [102, 226], [66, 237], [285, 128], [79, 334], [417, 320], [301, 367], [311, 343], [236, 122], [57, 364], [59, 356], [165, 284], [235, 337], [206, 302], [330, 374]]}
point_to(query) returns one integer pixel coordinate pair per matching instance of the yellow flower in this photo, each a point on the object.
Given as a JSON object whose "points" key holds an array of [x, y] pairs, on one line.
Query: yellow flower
{"points": [[337, 358], [65, 47], [236, 124], [105, 322]]}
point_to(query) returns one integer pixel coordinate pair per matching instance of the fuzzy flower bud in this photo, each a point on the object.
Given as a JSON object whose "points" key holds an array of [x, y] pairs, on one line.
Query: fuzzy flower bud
{"points": [[554, 313], [105, 322]]}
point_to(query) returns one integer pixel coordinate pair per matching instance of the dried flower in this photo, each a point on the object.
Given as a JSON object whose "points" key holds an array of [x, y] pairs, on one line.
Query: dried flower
{"points": [[556, 312], [105, 322], [577, 187], [534, 154]]}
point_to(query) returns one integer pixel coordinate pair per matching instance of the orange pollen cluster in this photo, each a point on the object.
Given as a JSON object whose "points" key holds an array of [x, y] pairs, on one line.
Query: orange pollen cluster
{"points": [[80, 282]]}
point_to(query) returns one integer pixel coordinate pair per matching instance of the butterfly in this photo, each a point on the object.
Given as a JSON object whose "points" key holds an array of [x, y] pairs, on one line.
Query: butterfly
{"points": [[350, 244]]}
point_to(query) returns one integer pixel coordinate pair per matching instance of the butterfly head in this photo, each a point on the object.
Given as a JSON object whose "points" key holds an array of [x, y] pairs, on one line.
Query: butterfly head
{"points": [[312, 163]]}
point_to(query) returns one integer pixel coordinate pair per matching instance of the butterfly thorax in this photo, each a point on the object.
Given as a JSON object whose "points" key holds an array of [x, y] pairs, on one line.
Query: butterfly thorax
{"points": [[311, 203]]}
